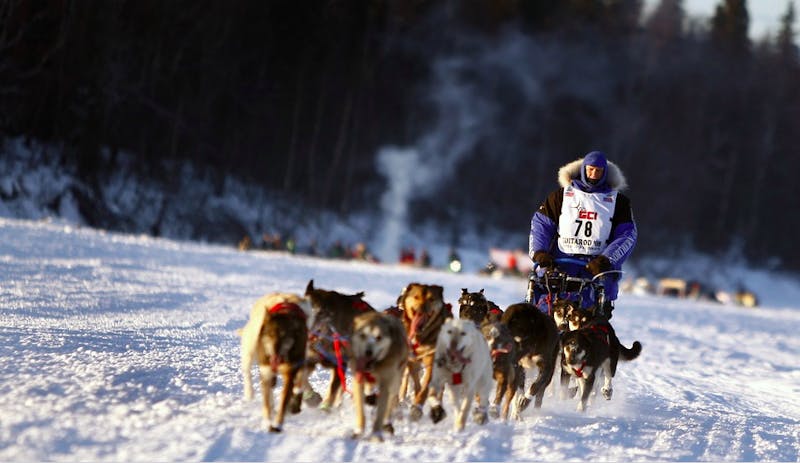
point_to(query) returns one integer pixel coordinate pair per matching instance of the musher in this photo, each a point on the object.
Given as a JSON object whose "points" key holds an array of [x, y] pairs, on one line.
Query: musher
{"points": [[586, 219]]}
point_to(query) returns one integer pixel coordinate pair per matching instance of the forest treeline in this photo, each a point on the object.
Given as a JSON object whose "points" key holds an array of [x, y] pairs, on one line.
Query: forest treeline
{"points": [[304, 97]]}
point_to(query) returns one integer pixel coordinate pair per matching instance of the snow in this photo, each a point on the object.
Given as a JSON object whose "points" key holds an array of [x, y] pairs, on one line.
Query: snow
{"points": [[123, 348]]}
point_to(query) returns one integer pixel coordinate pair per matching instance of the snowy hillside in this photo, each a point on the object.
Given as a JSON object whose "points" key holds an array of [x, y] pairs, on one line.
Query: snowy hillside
{"points": [[123, 348]]}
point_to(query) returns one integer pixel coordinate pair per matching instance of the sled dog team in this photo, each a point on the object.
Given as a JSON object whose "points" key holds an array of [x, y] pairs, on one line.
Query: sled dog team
{"points": [[410, 353]]}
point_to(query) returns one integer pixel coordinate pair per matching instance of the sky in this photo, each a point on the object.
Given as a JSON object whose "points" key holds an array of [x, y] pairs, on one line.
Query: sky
{"points": [[119, 347], [764, 14]]}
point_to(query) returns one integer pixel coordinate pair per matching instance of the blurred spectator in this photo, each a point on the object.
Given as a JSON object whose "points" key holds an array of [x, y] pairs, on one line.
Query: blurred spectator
{"points": [[272, 242], [424, 258], [291, 245], [337, 250], [245, 243], [311, 250], [407, 255], [361, 252]]}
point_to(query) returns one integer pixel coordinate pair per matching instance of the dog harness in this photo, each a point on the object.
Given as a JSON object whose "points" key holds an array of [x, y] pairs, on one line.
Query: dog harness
{"points": [[287, 308], [361, 306], [601, 331]]}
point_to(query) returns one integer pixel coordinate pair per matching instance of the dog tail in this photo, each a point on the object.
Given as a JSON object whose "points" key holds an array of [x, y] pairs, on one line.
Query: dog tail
{"points": [[632, 353]]}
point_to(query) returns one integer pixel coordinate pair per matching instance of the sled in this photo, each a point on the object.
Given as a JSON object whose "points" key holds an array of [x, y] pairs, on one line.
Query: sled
{"points": [[568, 279]]}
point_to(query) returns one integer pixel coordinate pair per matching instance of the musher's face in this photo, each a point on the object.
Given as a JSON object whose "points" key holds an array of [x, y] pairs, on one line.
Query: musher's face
{"points": [[594, 173]]}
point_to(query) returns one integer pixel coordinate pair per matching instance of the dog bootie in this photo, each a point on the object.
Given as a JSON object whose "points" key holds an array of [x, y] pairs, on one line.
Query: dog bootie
{"points": [[415, 413], [437, 413], [311, 398], [479, 415]]}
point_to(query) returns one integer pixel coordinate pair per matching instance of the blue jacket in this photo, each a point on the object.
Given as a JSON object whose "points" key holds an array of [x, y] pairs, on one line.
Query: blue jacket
{"points": [[620, 244]]}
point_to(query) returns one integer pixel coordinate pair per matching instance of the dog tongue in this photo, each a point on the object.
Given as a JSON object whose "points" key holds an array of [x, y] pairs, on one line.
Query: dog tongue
{"points": [[416, 324]]}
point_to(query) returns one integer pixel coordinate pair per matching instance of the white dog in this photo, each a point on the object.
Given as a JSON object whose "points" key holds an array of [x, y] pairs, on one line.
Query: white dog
{"points": [[463, 363]]}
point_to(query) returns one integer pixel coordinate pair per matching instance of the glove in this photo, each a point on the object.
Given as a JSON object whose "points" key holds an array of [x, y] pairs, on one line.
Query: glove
{"points": [[599, 264], [543, 258]]}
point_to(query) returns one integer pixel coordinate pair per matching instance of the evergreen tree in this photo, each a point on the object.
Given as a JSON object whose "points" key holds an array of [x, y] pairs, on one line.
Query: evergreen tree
{"points": [[665, 24], [729, 26], [786, 44]]}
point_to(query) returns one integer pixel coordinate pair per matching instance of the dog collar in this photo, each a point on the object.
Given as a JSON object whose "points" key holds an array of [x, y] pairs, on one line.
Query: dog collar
{"points": [[362, 376], [579, 371]]}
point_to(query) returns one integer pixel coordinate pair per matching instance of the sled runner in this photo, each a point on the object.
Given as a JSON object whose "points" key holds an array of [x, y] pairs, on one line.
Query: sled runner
{"points": [[570, 280]]}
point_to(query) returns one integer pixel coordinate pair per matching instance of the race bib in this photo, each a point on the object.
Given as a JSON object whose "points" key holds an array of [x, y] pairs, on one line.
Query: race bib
{"points": [[585, 222]]}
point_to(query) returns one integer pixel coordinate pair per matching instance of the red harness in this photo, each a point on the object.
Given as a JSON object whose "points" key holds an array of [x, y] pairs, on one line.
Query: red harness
{"points": [[361, 306], [579, 371], [601, 331], [362, 376], [288, 308]]}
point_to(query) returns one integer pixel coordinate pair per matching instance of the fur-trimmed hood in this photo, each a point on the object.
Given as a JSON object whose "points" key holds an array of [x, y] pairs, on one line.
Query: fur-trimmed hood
{"points": [[572, 171]]}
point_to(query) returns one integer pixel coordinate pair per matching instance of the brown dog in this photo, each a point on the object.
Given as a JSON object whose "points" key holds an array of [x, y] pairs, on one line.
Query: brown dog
{"points": [[536, 337], [275, 337], [328, 343], [424, 311], [379, 356]]}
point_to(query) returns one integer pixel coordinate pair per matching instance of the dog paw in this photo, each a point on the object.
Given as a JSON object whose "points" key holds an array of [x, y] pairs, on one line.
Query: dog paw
{"points": [[388, 428], [581, 407], [522, 403], [274, 429], [415, 412], [312, 398], [479, 416], [375, 437], [295, 404], [371, 399], [494, 413], [437, 413], [607, 393]]}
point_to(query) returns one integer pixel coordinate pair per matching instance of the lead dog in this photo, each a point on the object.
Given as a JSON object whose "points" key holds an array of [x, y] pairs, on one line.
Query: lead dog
{"points": [[536, 336], [328, 343], [379, 356], [275, 337], [423, 313], [590, 348], [464, 365]]}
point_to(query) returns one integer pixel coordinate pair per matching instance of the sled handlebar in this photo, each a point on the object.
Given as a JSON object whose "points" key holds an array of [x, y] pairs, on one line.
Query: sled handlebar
{"points": [[582, 263]]}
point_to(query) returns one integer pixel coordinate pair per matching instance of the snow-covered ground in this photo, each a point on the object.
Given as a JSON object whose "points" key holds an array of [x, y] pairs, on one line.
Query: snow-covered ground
{"points": [[123, 348]]}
